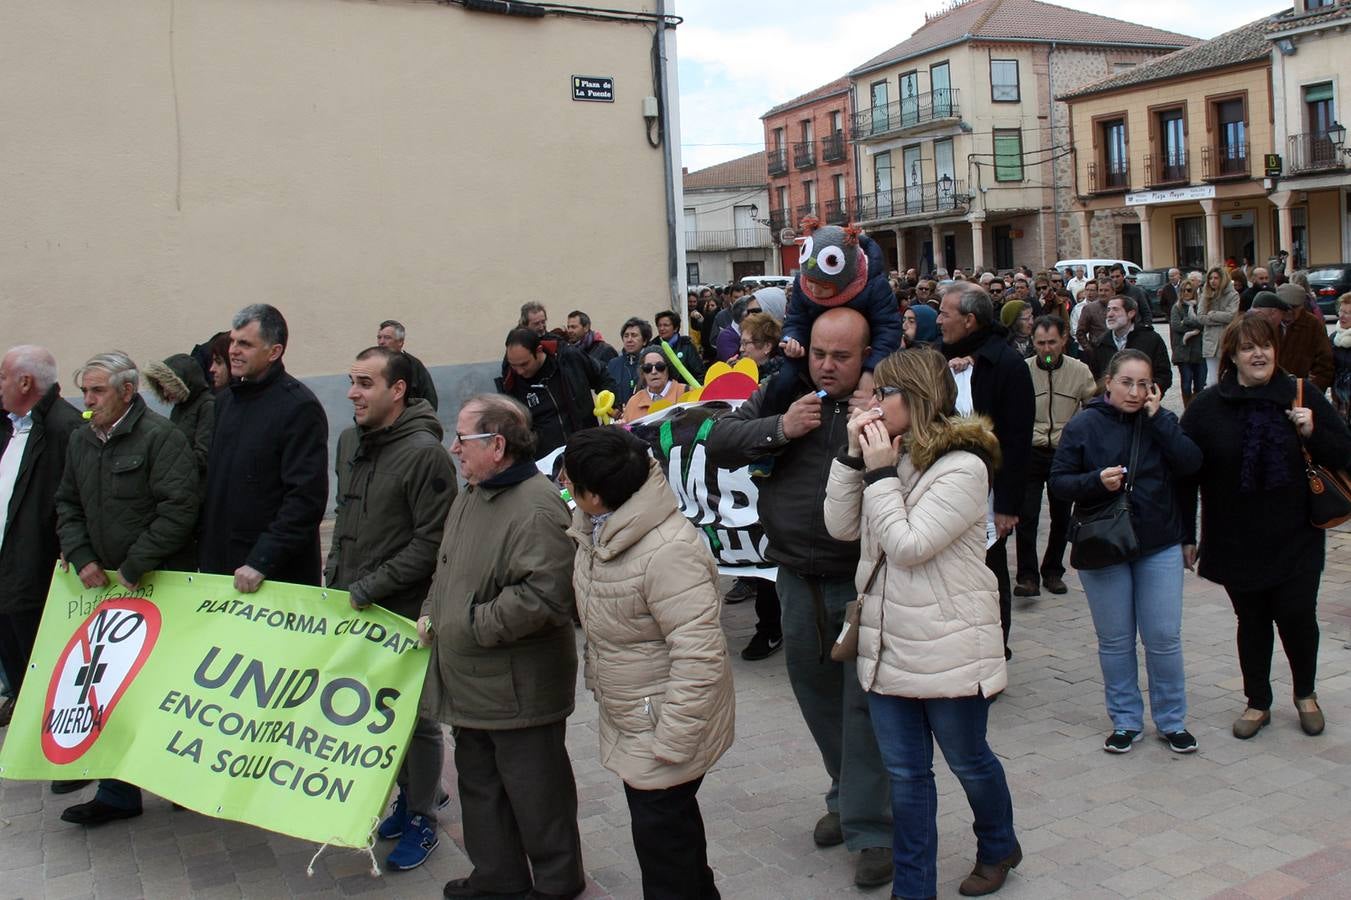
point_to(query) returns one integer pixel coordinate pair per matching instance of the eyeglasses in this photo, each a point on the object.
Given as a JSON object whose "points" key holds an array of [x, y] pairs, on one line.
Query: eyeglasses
{"points": [[464, 438], [1128, 386], [996, 290], [654, 367], [884, 392], [751, 310]]}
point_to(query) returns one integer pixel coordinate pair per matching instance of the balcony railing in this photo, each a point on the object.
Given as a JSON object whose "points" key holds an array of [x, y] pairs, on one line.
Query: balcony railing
{"points": [[777, 160], [832, 147], [837, 212], [914, 200], [1109, 178], [1312, 152], [804, 155], [808, 209], [778, 219], [1224, 161], [909, 112], [729, 239], [1167, 169]]}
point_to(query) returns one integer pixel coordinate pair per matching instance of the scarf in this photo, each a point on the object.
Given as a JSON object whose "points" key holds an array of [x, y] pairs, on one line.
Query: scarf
{"points": [[969, 345], [1268, 442]]}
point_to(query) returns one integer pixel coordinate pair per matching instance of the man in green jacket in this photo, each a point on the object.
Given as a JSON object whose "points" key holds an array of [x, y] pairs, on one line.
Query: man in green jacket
{"points": [[503, 671], [395, 485], [127, 503]]}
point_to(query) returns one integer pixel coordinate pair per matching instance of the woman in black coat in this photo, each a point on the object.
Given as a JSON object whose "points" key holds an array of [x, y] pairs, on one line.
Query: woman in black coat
{"points": [[1256, 540]]}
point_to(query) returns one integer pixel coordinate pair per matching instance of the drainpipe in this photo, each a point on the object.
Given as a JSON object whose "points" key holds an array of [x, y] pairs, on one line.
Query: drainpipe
{"points": [[673, 250], [1055, 177]]}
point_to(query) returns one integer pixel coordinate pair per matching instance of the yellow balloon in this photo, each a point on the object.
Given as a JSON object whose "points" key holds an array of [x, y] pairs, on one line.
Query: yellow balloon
{"points": [[605, 402]]}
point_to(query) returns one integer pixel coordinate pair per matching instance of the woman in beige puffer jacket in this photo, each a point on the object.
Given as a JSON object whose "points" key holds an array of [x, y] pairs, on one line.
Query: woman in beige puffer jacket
{"points": [[913, 488], [656, 659]]}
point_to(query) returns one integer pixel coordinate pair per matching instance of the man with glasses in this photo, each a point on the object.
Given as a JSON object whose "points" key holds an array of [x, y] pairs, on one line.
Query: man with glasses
{"points": [[1124, 332], [503, 668], [395, 486]]}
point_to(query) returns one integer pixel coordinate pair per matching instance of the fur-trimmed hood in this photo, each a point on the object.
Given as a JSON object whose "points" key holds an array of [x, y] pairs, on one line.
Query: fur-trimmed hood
{"points": [[177, 379], [971, 433]]}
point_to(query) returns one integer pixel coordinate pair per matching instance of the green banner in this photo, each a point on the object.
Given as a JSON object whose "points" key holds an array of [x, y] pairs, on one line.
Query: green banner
{"points": [[285, 708]]}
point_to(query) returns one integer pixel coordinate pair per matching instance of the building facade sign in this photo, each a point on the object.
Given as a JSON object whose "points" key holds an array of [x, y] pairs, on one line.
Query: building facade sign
{"points": [[1172, 195]]}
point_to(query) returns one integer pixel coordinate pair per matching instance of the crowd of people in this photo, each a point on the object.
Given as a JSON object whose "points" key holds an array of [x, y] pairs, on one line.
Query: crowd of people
{"points": [[911, 425]]}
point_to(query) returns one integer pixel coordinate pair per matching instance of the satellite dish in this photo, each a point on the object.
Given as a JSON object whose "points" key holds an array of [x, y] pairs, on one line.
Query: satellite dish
{"points": [[787, 236]]}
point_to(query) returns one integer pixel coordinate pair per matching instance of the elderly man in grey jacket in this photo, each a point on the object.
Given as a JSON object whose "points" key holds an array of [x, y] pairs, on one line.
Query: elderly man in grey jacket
{"points": [[503, 671]]}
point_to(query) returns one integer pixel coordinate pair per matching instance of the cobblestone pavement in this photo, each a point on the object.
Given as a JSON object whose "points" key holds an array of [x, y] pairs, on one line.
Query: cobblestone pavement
{"points": [[1266, 818]]}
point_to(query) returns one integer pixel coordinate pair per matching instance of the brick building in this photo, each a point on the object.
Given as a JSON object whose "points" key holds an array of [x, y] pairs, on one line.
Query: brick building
{"points": [[810, 163]]}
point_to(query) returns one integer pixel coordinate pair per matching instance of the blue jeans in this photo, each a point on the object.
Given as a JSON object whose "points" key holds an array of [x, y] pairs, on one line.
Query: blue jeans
{"points": [[1192, 376], [834, 706], [1144, 596], [905, 732]]}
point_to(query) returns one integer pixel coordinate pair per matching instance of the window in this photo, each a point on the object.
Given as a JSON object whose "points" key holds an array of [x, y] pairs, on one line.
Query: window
{"points": [[809, 192], [1317, 4], [1190, 237], [1172, 158], [691, 220], [836, 121], [1008, 154], [914, 179], [1003, 246], [806, 125], [691, 273], [839, 187], [1318, 108], [940, 84], [1004, 80], [880, 114], [944, 165], [1231, 129], [778, 138], [1119, 67], [909, 98], [882, 173], [1115, 168]]}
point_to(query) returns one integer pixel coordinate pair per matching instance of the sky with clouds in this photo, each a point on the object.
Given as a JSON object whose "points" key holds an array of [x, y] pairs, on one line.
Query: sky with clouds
{"points": [[737, 59]]}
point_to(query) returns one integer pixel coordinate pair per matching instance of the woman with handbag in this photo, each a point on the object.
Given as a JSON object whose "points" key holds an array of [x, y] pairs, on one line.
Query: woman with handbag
{"points": [[1117, 461], [1250, 427], [913, 488]]}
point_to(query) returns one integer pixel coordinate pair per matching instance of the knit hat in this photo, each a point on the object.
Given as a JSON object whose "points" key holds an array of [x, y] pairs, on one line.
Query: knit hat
{"points": [[772, 301], [1292, 296], [1010, 311], [1267, 300], [833, 267]]}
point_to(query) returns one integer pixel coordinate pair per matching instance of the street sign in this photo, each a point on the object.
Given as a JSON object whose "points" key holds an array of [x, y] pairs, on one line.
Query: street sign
{"points": [[593, 88], [1272, 161]]}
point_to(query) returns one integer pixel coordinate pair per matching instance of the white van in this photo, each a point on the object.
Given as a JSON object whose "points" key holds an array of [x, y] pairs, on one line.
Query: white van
{"points": [[755, 282], [1090, 265]]}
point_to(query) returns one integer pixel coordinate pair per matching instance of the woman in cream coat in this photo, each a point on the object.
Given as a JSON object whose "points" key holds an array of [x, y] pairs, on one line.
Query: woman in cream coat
{"points": [[914, 488], [1219, 304], [656, 659]]}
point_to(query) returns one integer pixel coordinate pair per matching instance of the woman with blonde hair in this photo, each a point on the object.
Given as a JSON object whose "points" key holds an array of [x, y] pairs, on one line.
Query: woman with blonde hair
{"points": [[912, 488], [1219, 304]]}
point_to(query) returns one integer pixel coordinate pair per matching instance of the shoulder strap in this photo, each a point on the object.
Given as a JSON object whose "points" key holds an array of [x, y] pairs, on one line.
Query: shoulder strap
{"points": [[1135, 453], [877, 567]]}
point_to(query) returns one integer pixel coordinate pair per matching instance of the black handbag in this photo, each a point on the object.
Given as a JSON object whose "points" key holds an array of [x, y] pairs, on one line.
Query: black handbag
{"points": [[1102, 534]]}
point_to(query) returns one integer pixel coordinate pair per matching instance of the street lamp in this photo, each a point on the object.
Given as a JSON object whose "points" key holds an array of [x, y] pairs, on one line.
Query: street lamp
{"points": [[1336, 133]]}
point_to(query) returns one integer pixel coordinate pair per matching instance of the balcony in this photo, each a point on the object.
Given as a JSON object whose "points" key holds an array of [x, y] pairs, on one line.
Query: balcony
{"points": [[777, 160], [1109, 178], [1312, 152], [804, 155], [778, 220], [1224, 161], [832, 148], [730, 239], [808, 209], [917, 199], [909, 114], [1167, 169], [837, 212]]}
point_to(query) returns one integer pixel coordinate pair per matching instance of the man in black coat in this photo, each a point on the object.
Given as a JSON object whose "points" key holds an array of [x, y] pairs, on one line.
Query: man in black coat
{"points": [[999, 386], [1126, 331], [267, 476], [33, 439], [1124, 288], [391, 336], [556, 383]]}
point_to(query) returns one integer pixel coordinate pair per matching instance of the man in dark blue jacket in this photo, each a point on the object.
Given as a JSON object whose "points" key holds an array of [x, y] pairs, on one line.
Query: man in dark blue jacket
{"points": [[999, 386]]}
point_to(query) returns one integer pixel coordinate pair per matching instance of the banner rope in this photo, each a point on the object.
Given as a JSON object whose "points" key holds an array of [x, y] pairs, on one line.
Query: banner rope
{"points": [[369, 850]]}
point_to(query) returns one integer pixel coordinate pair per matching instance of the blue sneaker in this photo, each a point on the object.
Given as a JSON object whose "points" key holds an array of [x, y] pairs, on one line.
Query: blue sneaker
{"points": [[395, 823], [418, 841]]}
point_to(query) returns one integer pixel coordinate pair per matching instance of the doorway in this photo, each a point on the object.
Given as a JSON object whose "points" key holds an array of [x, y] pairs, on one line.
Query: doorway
{"points": [[950, 252], [1131, 247], [747, 269], [1238, 238]]}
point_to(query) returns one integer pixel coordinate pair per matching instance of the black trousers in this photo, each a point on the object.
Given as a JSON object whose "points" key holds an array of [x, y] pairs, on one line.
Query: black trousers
{"points": [[519, 806], [668, 836], [1053, 563], [768, 614], [18, 633], [1292, 606], [997, 561]]}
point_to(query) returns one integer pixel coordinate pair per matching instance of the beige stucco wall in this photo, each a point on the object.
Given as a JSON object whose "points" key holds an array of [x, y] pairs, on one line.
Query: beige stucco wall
{"points": [[164, 162], [1319, 57]]}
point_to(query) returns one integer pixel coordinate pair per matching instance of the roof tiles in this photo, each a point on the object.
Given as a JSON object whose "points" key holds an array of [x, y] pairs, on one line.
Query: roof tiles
{"points": [[748, 171]]}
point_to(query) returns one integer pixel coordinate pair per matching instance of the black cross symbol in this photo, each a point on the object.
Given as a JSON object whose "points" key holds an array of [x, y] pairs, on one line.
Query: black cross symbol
{"points": [[90, 674]]}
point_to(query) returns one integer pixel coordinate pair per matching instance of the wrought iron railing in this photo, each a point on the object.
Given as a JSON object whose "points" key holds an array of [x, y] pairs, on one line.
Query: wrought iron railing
{"points": [[1167, 168], [832, 147], [913, 200], [837, 212], [804, 155], [1224, 161], [908, 112], [777, 160], [1312, 152], [1109, 178], [729, 239]]}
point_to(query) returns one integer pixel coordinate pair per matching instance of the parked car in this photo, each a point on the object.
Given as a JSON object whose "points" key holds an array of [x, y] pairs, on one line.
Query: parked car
{"points": [[1329, 282], [755, 282], [1091, 265], [1153, 280]]}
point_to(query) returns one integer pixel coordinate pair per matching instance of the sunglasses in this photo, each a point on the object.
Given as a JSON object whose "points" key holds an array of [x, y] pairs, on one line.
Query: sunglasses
{"points": [[752, 309], [654, 367]]}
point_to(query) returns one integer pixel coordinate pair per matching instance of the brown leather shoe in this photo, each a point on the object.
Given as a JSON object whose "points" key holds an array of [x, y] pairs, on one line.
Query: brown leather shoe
{"points": [[1055, 584], [1027, 587], [986, 878], [1310, 716], [1251, 722]]}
